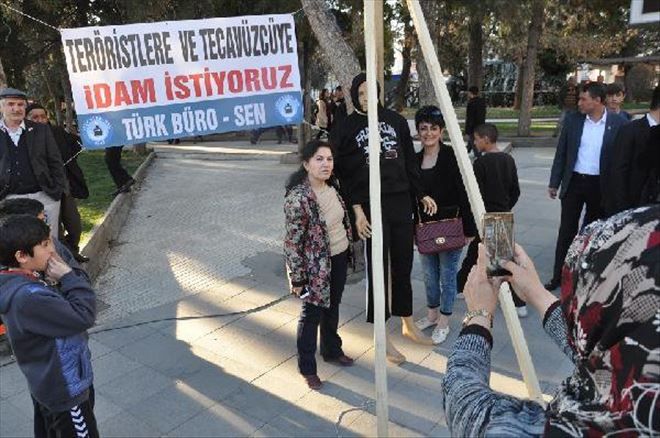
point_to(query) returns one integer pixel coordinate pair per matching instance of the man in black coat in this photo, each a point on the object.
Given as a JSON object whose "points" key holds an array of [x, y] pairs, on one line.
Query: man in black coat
{"points": [[30, 162], [633, 174], [583, 153], [339, 112], [475, 115], [69, 146]]}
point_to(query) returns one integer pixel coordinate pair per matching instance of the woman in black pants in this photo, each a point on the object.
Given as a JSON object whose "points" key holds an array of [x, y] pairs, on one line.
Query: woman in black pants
{"points": [[316, 245]]}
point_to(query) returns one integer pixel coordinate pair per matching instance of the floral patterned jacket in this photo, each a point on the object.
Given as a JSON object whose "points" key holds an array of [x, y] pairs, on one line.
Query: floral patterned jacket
{"points": [[307, 244]]}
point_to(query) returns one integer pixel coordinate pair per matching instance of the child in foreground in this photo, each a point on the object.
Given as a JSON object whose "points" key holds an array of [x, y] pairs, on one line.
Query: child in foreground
{"points": [[47, 327]]}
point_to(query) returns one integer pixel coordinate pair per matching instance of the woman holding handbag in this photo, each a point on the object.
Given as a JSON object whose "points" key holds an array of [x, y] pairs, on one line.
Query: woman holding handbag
{"points": [[441, 255], [318, 234]]}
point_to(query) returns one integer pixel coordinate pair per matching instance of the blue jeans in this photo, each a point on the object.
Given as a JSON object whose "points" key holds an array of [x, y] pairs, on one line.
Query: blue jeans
{"points": [[440, 279]]}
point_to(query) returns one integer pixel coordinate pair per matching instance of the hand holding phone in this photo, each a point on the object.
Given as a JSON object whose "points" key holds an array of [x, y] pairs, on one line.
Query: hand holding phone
{"points": [[301, 292], [499, 243], [304, 293]]}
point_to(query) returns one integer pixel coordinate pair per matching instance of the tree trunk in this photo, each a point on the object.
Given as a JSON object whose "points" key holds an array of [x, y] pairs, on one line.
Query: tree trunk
{"points": [[535, 29], [68, 100], [57, 105], [344, 64], [518, 87], [57, 109], [426, 90], [406, 54], [356, 38], [304, 130], [3, 77], [475, 51], [628, 83]]}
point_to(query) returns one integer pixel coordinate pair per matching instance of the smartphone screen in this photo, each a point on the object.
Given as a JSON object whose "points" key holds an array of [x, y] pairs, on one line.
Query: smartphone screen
{"points": [[498, 239], [304, 293]]}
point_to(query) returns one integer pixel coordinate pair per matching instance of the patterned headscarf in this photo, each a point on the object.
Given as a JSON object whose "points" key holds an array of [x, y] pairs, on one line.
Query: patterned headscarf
{"points": [[610, 297]]}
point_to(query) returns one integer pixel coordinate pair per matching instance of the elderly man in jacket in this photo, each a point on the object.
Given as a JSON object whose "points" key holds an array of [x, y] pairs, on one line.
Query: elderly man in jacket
{"points": [[30, 162]]}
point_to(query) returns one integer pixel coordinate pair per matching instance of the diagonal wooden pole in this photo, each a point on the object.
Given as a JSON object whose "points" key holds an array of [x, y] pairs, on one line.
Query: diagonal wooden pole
{"points": [[377, 276], [474, 195], [380, 51]]}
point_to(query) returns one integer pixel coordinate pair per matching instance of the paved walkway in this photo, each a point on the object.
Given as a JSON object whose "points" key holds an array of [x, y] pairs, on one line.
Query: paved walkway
{"points": [[205, 237]]}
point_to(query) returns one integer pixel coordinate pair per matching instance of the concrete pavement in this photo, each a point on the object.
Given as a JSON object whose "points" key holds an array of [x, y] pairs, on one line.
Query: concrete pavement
{"points": [[204, 237]]}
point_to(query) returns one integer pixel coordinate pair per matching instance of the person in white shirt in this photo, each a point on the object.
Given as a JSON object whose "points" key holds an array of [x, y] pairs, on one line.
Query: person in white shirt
{"points": [[30, 161], [583, 150]]}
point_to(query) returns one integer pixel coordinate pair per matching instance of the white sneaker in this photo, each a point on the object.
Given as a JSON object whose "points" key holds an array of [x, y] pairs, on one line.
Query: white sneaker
{"points": [[425, 323], [522, 311], [439, 335], [460, 296]]}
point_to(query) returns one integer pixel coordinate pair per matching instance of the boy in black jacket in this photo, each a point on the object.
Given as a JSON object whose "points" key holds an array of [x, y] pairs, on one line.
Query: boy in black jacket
{"points": [[497, 177], [47, 328]]}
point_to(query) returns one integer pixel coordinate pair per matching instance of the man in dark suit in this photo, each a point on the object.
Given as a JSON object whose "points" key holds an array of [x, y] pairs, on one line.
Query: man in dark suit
{"points": [[475, 115], [69, 146], [583, 149], [632, 179], [30, 162]]}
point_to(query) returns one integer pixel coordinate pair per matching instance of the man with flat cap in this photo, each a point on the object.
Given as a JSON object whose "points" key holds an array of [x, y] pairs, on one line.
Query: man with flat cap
{"points": [[30, 162]]}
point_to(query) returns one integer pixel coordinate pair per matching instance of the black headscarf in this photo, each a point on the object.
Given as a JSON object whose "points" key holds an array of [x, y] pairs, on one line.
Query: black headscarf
{"points": [[357, 81]]}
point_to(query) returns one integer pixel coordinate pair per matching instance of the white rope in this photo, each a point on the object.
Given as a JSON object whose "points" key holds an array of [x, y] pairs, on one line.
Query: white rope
{"points": [[55, 28], [82, 148], [29, 16], [363, 407]]}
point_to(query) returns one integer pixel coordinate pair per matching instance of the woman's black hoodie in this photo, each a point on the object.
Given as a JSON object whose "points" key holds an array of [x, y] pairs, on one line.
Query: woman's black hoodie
{"points": [[398, 166]]}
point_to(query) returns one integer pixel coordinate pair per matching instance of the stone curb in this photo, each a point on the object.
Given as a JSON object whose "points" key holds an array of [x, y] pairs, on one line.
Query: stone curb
{"points": [[217, 152], [532, 142], [217, 156], [290, 158], [106, 231]]}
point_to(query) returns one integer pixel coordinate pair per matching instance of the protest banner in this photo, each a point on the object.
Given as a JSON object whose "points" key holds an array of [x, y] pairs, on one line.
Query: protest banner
{"points": [[155, 81]]}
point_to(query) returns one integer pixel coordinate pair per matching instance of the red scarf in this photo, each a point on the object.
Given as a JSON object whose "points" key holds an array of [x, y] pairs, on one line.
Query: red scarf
{"points": [[611, 301]]}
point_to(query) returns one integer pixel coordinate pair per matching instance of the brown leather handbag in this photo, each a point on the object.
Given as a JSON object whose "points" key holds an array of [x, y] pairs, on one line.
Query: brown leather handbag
{"points": [[439, 236]]}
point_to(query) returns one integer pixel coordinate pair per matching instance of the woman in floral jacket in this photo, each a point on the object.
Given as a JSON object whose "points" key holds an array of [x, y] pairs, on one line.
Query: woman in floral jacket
{"points": [[316, 245]]}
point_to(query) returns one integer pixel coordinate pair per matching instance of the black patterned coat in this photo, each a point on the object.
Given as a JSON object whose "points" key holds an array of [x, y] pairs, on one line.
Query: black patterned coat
{"points": [[307, 244]]}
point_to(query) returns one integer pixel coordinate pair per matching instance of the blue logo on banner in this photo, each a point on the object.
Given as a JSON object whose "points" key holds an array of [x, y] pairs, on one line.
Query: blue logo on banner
{"points": [[287, 106], [98, 130]]}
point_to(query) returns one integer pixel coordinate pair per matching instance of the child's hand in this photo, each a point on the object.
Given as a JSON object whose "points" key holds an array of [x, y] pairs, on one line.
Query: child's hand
{"points": [[57, 268]]}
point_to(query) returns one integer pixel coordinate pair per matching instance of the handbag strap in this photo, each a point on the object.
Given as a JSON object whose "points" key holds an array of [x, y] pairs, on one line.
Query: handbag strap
{"points": [[419, 215]]}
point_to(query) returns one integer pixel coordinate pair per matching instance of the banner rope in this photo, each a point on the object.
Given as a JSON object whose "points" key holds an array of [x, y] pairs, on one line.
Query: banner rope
{"points": [[82, 148], [18, 11], [29, 16], [96, 330]]}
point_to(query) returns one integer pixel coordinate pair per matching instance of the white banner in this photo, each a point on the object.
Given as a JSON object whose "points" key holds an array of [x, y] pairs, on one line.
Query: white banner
{"points": [[154, 81]]}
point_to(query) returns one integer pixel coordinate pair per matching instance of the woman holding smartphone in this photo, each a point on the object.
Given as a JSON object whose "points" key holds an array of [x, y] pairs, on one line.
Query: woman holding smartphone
{"points": [[318, 234]]}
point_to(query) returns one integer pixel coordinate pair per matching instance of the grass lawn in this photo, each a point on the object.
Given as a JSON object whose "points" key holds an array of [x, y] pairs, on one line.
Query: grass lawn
{"points": [[539, 129], [510, 129], [496, 113], [100, 186], [510, 113]]}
